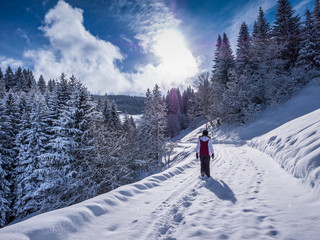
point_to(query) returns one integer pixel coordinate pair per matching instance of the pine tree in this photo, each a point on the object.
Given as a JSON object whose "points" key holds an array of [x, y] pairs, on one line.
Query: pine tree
{"points": [[29, 81], [2, 85], [316, 24], [173, 106], [8, 130], [224, 60], [18, 80], [243, 59], [151, 135], [9, 78], [218, 58], [316, 18], [286, 32], [31, 141], [260, 39], [203, 96], [42, 84], [51, 85], [308, 50], [60, 155], [5, 172]]}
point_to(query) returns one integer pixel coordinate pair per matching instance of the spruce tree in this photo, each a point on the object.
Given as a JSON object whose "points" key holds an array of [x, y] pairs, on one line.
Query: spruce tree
{"points": [[2, 85], [9, 78], [151, 134], [316, 24], [18, 80], [243, 59], [309, 51], [316, 18], [31, 141], [42, 84], [174, 112], [224, 60], [5, 161], [286, 32], [260, 39]]}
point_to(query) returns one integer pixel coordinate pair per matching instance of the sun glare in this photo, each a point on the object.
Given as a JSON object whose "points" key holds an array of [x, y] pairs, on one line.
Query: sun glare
{"points": [[171, 48]]}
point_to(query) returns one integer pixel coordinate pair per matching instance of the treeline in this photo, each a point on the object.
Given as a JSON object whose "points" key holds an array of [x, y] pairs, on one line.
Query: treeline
{"points": [[132, 105], [270, 65], [59, 147]]}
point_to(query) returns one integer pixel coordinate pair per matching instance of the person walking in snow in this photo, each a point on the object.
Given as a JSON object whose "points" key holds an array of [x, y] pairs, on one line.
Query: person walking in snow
{"points": [[205, 150]]}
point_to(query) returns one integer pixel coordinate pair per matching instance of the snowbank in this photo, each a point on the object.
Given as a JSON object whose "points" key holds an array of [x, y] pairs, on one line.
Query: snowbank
{"points": [[294, 144], [61, 223]]}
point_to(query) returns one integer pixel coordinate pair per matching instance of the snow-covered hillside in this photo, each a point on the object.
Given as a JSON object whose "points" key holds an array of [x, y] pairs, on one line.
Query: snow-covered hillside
{"points": [[249, 196]]}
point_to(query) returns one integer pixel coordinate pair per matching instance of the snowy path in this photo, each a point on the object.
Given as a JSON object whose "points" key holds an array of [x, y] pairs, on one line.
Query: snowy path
{"points": [[248, 197]]}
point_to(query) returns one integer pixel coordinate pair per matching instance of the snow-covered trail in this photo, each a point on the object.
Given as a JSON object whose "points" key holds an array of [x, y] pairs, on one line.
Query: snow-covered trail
{"points": [[248, 197]]}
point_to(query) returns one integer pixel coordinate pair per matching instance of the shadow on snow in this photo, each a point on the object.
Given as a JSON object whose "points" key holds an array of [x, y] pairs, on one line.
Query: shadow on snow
{"points": [[220, 189]]}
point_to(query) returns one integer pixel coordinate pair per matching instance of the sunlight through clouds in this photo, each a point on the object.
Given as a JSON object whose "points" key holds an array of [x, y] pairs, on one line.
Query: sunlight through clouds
{"points": [[74, 50]]}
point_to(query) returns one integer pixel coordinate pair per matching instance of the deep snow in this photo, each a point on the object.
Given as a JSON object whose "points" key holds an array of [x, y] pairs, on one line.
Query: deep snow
{"points": [[249, 196]]}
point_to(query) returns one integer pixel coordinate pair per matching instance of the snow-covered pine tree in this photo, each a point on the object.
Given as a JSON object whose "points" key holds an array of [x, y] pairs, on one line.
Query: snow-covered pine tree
{"points": [[114, 122], [260, 39], [224, 60], [203, 96], [243, 56], [9, 78], [129, 149], [5, 161], [31, 144], [316, 18], [59, 156], [9, 129], [309, 50], [174, 112], [151, 132], [185, 107], [216, 70], [2, 86], [81, 115], [42, 84], [18, 80], [286, 32], [51, 85], [316, 24], [112, 142], [29, 81]]}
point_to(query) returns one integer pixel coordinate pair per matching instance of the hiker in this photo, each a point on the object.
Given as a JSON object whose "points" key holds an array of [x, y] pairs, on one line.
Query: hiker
{"points": [[205, 149]]}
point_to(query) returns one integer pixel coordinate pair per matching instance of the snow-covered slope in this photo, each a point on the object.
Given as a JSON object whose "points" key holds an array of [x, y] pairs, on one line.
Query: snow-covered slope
{"points": [[296, 146], [249, 195]]}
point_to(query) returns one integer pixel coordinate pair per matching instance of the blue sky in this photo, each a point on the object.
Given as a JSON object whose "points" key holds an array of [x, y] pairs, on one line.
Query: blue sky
{"points": [[123, 46]]}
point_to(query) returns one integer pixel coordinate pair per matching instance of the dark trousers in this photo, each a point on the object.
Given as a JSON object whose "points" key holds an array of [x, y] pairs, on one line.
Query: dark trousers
{"points": [[205, 165]]}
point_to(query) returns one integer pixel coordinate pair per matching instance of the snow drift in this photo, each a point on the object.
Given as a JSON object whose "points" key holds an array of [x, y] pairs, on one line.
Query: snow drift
{"points": [[295, 145]]}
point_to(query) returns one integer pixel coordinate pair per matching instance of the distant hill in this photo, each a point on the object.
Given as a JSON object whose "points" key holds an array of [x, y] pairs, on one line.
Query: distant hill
{"points": [[131, 104]]}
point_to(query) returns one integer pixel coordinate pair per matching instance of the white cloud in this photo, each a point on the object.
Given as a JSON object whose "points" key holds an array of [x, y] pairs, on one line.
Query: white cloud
{"points": [[74, 50], [13, 63]]}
